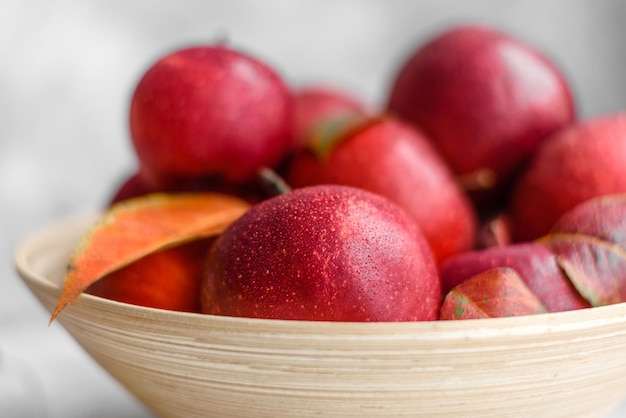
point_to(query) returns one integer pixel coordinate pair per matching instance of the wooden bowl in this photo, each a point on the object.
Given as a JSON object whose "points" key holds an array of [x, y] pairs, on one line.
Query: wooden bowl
{"points": [[570, 364]]}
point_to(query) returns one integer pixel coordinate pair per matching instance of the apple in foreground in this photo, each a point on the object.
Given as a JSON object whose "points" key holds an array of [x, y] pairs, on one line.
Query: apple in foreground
{"points": [[394, 159], [210, 110], [329, 252], [487, 99]]}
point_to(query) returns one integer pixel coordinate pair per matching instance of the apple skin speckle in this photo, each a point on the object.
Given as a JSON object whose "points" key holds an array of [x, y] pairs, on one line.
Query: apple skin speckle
{"points": [[332, 253]]}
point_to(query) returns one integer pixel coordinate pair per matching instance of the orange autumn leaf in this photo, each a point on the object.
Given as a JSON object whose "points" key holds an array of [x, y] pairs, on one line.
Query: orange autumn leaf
{"points": [[134, 228]]}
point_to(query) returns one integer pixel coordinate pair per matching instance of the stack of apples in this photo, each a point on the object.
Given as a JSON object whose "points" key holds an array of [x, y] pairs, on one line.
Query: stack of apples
{"points": [[473, 191]]}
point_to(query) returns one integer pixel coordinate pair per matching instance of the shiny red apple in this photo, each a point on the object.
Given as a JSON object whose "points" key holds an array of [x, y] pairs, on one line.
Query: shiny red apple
{"points": [[210, 110], [394, 159], [487, 100], [329, 252]]}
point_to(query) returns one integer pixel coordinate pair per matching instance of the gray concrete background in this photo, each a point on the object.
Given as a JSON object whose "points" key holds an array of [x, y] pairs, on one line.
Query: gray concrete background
{"points": [[67, 69]]}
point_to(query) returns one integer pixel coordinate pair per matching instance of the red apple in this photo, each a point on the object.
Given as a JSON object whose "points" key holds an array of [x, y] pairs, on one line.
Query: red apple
{"points": [[132, 186], [332, 253], [315, 103], [487, 99], [576, 164], [210, 110], [535, 264], [394, 159], [168, 279]]}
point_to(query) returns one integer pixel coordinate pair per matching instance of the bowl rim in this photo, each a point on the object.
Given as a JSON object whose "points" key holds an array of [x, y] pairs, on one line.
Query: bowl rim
{"points": [[552, 322]]}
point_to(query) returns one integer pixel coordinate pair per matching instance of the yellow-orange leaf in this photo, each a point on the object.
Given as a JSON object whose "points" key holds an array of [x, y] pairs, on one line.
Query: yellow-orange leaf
{"points": [[134, 228]]}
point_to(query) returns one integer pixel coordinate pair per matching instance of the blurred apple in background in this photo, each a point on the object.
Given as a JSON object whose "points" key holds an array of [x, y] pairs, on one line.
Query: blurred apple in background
{"points": [[329, 252], [394, 159], [210, 110], [131, 186], [315, 103], [486, 99], [138, 184], [578, 163]]}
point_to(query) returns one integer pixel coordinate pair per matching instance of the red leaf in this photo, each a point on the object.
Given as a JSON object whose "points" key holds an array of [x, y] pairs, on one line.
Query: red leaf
{"points": [[602, 217], [597, 268], [499, 292]]}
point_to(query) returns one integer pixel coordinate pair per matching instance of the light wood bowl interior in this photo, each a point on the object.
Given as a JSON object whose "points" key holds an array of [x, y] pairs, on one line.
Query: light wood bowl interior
{"points": [[570, 364]]}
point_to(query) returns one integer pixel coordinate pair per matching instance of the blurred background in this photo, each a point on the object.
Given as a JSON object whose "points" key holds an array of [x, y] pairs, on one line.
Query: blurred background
{"points": [[67, 70]]}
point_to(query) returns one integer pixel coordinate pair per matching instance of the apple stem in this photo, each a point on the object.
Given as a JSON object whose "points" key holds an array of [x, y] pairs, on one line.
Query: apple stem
{"points": [[495, 232], [222, 38], [272, 182], [481, 179]]}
